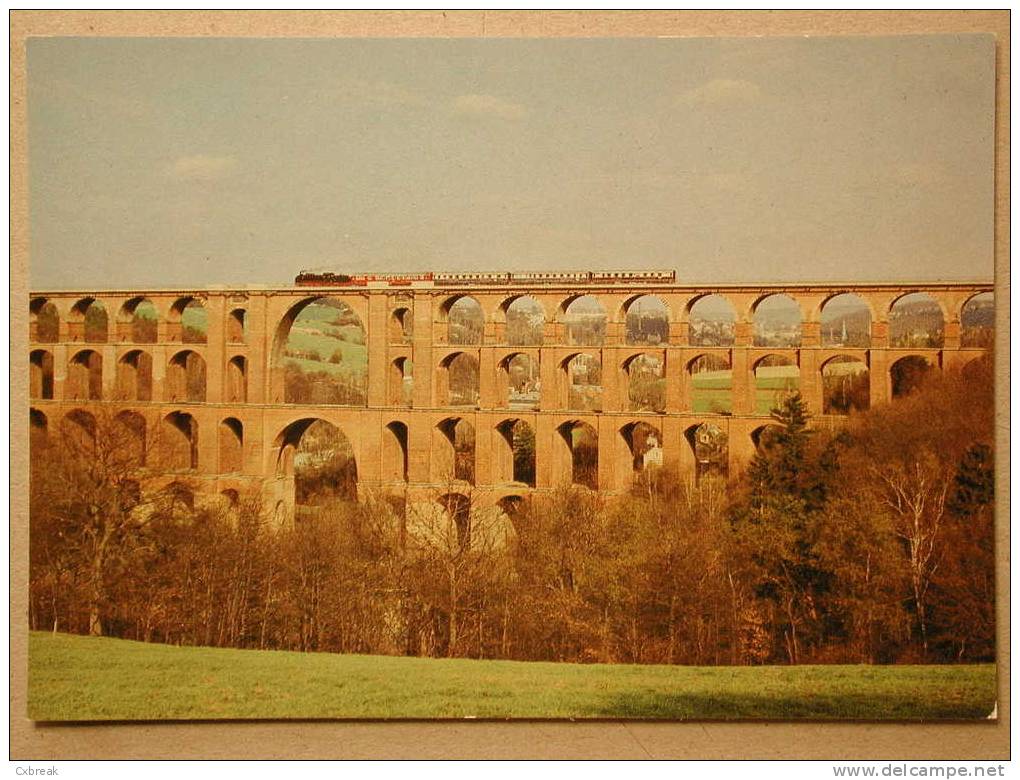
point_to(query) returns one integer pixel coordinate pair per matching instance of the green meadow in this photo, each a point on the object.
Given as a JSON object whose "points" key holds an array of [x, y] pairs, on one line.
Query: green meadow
{"points": [[93, 678]]}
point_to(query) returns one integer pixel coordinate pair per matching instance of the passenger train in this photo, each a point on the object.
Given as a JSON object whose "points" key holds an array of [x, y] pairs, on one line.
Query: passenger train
{"points": [[429, 279]]}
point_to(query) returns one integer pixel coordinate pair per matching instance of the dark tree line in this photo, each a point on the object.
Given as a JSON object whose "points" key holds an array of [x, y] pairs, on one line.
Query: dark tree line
{"points": [[870, 544]]}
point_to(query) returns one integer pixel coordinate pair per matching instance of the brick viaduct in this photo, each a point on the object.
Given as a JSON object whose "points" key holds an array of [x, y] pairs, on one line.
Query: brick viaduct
{"points": [[238, 437]]}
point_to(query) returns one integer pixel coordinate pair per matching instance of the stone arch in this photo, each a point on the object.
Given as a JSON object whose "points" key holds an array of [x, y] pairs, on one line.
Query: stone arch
{"points": [[38, 430], [977, 321], [710, 445], [138, 321], [188, 321], [134, 376], [582, 442], [186, 377], [523, 380], [646, 319], [231, 446], [318, 456], [846, 385], [401, 382], [465, 320], [180, 498], [44, 321], [89, 322], [401, 325], [916, 320], [460, 380], [85, 376], [908, 374], [585, 320], [40, 383], [845, 321], [319, 354], [515, 461], [78, 433], [232, 497], [237, 326], [525, 321], [395, 452], [712, 321], [711, 383], [178, 442], [777, 320], [513, 506], [457, 506], [644, 441], [455, 459], [776, 377], [237, 380], [646, 382], [583, 380], [131, 444], [763, 436]]}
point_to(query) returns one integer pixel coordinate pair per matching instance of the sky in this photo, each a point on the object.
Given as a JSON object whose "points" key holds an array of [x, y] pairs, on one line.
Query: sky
{"points": [[192, 162]]}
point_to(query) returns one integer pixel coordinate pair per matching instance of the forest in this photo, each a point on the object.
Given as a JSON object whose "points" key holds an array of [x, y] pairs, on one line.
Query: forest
{"points": [[867, 543]]}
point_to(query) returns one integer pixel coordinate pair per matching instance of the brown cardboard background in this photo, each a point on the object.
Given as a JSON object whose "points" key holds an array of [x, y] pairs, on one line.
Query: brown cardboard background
{"points": [[290, 739]]}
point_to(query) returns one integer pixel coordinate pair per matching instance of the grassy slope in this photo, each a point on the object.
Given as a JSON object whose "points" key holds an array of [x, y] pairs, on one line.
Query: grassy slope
{"points": [[84, 678]]}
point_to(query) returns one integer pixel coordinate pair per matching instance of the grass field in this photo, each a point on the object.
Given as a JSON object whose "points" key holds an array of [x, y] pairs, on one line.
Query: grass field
{"points": [[86, 678]]}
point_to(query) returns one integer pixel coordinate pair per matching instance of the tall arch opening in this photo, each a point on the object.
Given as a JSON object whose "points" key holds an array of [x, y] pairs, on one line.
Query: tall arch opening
{"points": [[977, 321], [646, 383], [777, 322], [85, 376], [460, 380], [231, 446], [711, 322], [517, 459], [846, 385], [711, 384], [400, 382], [465, 320], [40, 383], [178, 442], [38, 430], [916, 321], [584, 382], [585, 321], [711, 449], [130, 446], [523, 381], [188, 321], [320, 459], [647, 321], [320, 350], [764, 437], [186, 377], [846, 322], [457, 461], [134, 376], [645, 444], [776, 378], [89, 317], [78, 433], [237, 321], [401, 326], [525, 322], [458, 508], [137, 321], [908, 374], [44, 321], [237, 380], [582, 441], [395, 452]]}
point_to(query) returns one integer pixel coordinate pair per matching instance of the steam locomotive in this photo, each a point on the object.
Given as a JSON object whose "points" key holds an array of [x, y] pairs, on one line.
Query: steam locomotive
{"points": [[329, 279]]}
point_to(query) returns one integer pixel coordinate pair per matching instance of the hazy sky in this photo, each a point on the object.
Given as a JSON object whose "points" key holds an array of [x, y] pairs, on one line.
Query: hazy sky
{"points": [[157, 162]]}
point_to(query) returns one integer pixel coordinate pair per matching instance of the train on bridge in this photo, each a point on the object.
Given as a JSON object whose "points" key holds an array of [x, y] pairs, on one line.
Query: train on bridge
{"points": [[430, 278]]}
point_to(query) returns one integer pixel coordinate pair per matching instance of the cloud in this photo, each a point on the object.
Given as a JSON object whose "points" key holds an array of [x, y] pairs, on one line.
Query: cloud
{"points": [[488, 106], [202, 167], [720, 92]]}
